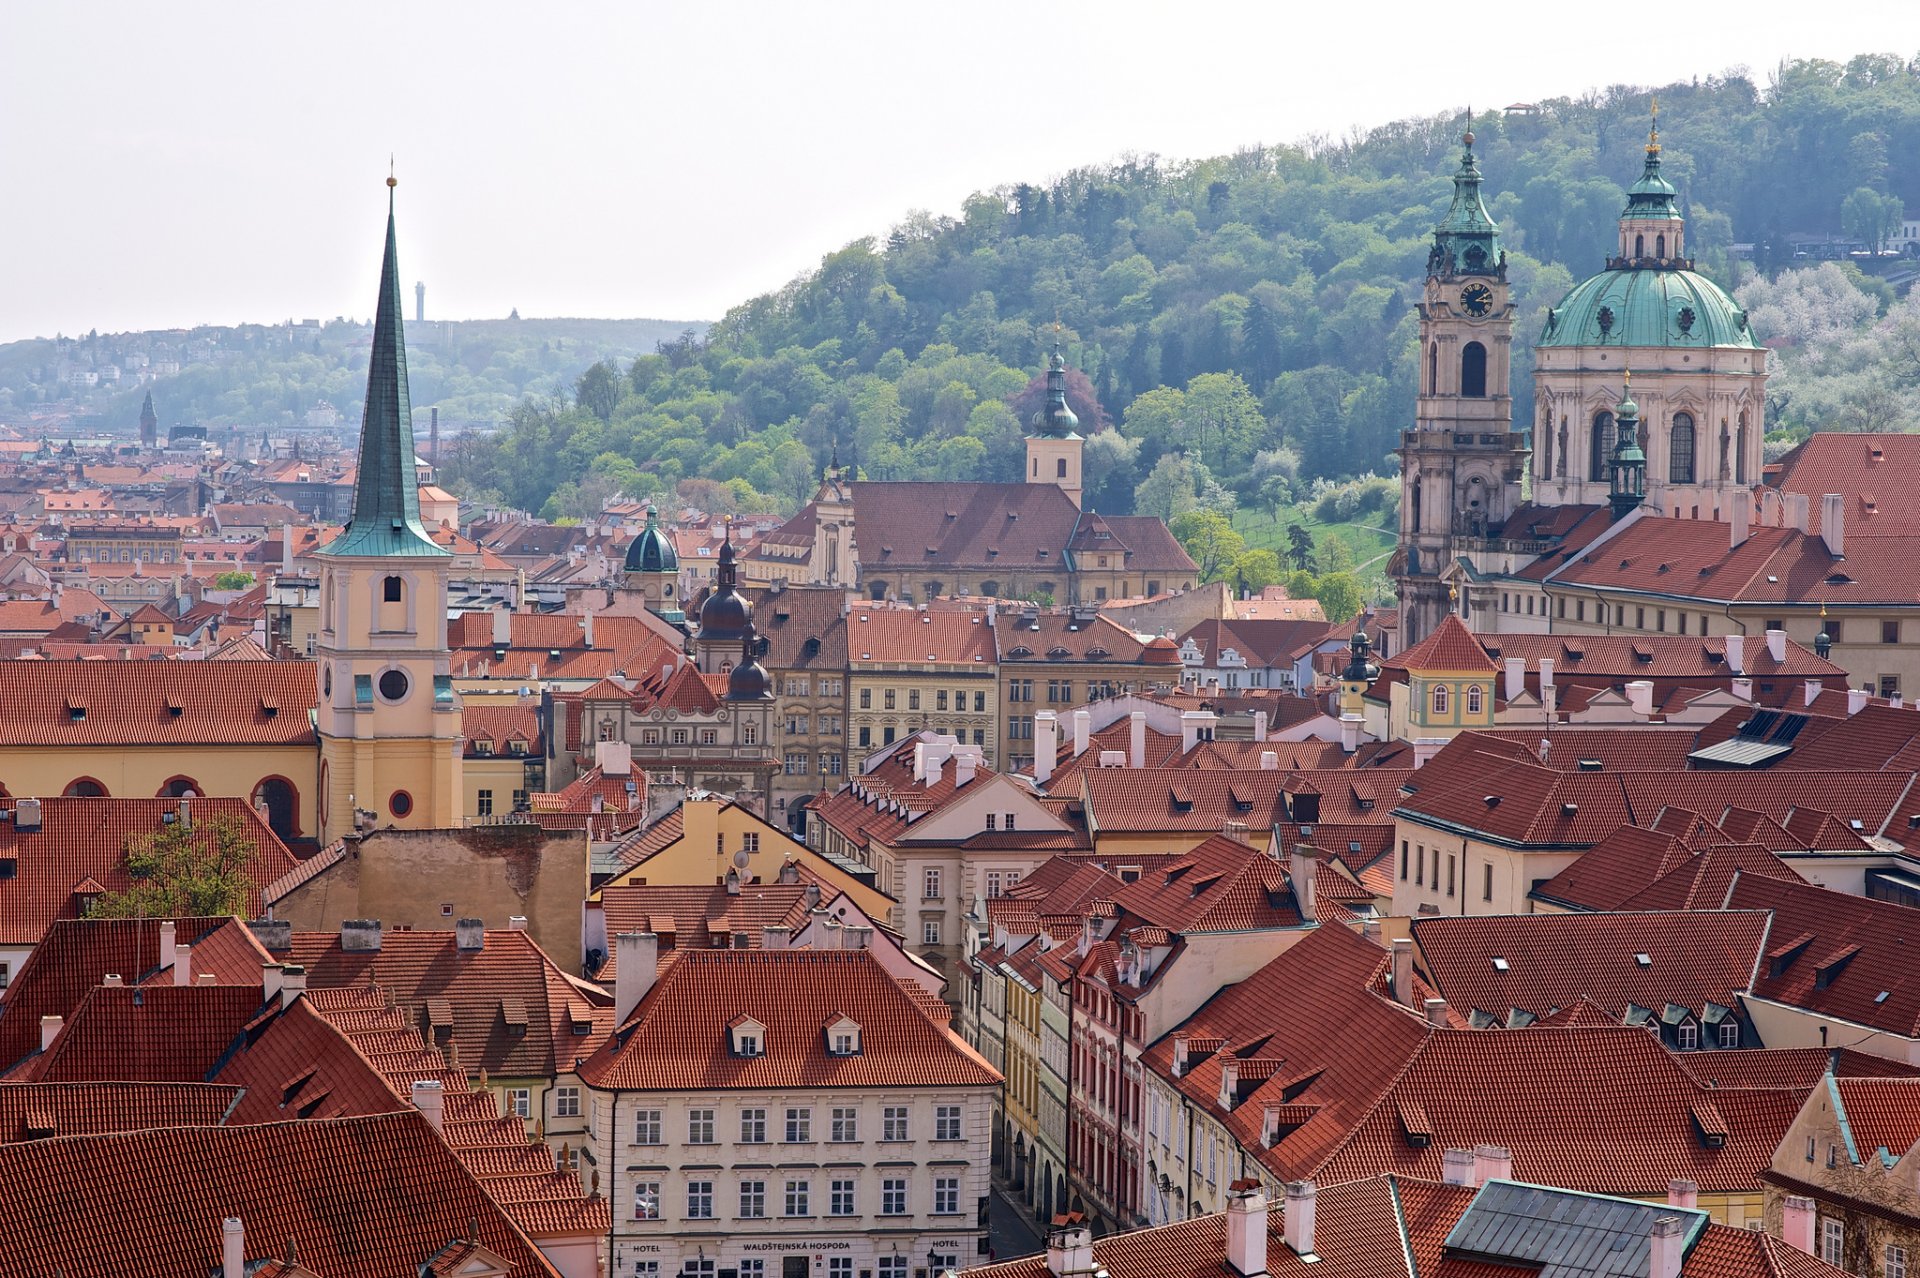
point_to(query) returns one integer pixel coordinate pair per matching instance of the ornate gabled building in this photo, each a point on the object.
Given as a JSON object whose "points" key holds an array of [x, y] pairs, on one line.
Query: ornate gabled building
{"points": [[389, 720]]}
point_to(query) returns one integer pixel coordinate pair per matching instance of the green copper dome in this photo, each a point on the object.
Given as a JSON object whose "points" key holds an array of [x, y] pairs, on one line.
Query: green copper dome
{"points": [[1055, 420], [1466, 242], [1644, 306], [651, 551]]}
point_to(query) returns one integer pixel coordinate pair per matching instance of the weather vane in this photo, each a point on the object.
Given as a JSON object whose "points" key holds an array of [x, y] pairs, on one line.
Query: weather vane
{"points": [[392, 181], [1653, 133]]}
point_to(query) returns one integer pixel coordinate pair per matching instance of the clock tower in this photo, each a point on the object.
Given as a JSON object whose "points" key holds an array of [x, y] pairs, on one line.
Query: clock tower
{"points": [[1462, 464], [388, 720]]}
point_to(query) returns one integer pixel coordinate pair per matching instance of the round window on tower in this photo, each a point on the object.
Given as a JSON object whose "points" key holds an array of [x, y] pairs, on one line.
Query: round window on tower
{"points": [[393, 685], [400, 803]]}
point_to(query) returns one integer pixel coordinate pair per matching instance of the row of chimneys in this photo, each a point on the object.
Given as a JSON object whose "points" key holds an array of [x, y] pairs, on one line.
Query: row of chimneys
{"points": [[1790, 510], [362, 936]]}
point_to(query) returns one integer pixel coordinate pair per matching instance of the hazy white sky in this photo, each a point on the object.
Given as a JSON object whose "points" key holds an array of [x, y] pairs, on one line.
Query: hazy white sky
{"points": [[180, 162]]}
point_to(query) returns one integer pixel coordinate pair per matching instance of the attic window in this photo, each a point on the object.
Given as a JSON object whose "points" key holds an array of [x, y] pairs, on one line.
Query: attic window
{"points": [[1501, 965], [1591, 765], [843, 1037], [749, 1037], [76, 710], [1643, 960], [174, 708], [1021, 653]]}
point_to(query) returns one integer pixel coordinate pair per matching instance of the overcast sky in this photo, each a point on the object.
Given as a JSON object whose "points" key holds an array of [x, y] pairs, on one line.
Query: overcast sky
{"points": [[181, 163]]}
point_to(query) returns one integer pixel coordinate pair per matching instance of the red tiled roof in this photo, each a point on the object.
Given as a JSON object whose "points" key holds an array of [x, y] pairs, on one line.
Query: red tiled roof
{"points": [[1795, 1069], [1220, 886], [693, 917], [676, 1037], [1837, 955], [885, 635], [1866, 470], [1450, 647], [1881, 1114], [374, 1196], [132, 703], [81, 845], [1550, 961], [1188, 799], [147, 1034], [35, 1111]]}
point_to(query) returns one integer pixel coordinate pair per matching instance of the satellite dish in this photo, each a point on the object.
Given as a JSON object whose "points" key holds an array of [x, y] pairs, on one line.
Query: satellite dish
{"points": [[741, 858]]}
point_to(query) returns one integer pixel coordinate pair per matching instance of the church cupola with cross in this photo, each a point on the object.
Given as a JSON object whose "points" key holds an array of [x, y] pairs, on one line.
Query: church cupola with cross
{"points": [[1462, 464], [388, 718], [1054, 444]]}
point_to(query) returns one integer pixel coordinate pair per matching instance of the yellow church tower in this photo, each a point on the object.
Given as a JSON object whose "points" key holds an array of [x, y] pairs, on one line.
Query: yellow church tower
{"points": [[389, 720], [1054, 447]]}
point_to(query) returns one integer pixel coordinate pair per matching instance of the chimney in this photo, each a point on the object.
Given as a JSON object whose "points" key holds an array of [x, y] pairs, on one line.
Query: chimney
{"points": [[1546, 682], [1260, 725], [1229, 1082], [1246, 1229], [1492, 1162], [471, 935], [1796, 1223], [1350, 725], [1305, 866], [587, 625], [1269, 761], [168, 933], [502, 628], [1640, 697], [1740, 518], [856, 938], [1857, 699], [50, 1029], [1743, 689], [1683, 1193], [1179, 1052], [516, 922], [1770, 508], [964, 763], [1069, 1246], [1195, 726], [1833, 524], [1777, 645], [233, 1248], [1797, 506], [293, 983], [920, 763], [775, 938], [113, 980], [1516, 681], [1046, 745], [1403, 971], [1137, 739], [637, 958], [270, 981], [360, 936], [1424, 748], [1437, 1012], [183, 965], [1456, 1167], [1737, 653], [430, 1098], [273, 934], [1812, 690], [613, 758], [1668, 1247], [1298, 1220], [1082, 729]]}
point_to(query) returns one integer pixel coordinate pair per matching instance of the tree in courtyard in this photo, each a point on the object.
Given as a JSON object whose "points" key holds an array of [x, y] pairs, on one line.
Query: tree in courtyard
{"points": [[187, 869]]}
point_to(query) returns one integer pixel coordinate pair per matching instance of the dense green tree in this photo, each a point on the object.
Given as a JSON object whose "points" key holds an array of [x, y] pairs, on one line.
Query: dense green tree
{"points": [[188, 868], [1209, 538]]}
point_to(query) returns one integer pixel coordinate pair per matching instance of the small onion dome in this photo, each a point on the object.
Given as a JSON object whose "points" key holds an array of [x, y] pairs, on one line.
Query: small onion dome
{"points": [[1161, 651], [1054, 418], [749, 680], [725, 614], [651, 551]]}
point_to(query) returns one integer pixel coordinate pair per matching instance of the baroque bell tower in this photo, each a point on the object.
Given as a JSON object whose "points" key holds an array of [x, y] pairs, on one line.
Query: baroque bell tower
{"points": [[389, 720], [1462, 464]]}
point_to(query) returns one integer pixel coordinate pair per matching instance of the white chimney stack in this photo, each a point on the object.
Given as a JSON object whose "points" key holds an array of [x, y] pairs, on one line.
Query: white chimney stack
{"points": [[1403, 971], [50, 1027], [1305, 865], [168, 933], [1246, 1229], [1516, 680], [1683, 1193], [1456, 1167], [502, 628], [1812, 691], [1046, 745], [1269, 761], [919, 763], [1436, 1009], [1857, 699], [586, 624], [1777, 645], [183, 965], [1741, 519], [613, 758], [1770, 508], [1492, 1162], [1737, 653], [430, 1098], [1796, 1223], [1668, 1245], [775, 938], [1833, 524], [1070, 1248], [1195, 726], [1350, 725], [1640, 697], [1798, 504], [1298, 1221], [1137, 739], [965, 761], [233, 1248], [1743, 689], [636, 967], [1082, 729], [293, 983]]}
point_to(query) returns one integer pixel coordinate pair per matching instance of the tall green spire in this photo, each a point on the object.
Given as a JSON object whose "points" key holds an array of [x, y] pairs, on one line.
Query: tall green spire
{"points": [[1467, 242], [1652, 196], [386, 494]]}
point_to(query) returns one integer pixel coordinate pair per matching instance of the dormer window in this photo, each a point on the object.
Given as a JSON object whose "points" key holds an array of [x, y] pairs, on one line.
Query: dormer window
{"points": [[748, 1037], [516, 747], [843, 1036]]}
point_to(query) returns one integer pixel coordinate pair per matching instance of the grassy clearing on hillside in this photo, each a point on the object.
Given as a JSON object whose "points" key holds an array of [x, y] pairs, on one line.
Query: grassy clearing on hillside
{"points": [[1366, 544]]}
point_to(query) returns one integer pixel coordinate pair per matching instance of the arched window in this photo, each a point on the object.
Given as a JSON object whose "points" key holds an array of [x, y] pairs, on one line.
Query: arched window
{"points": [[179, 788], [1680, 449], [279, 805], [1473, 698], [1473, 371], [1433, 368], [1639, 246], [1439, 698], [1602, 446], [390, 589], [85, 788], [1659, 246]]}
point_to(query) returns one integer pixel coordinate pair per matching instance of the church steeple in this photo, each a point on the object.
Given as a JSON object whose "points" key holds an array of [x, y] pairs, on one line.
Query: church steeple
{"points": [[386, 491], [1627, 469], [1054, 444], [149, 423], [1467, 242], [1652, 232]]}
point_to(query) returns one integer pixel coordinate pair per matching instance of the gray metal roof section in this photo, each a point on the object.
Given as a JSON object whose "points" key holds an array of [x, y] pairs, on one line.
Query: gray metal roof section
{"points": [[1567, 1234], [1741, 752]]}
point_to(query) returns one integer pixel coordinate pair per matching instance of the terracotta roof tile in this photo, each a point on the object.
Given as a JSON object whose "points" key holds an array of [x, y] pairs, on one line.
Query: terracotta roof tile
{"points": [[35, 1111], [1846, 955], [128, 703]]}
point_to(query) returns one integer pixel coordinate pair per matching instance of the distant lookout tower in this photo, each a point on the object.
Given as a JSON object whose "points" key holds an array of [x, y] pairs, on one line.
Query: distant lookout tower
{"points": [[420, 302]]}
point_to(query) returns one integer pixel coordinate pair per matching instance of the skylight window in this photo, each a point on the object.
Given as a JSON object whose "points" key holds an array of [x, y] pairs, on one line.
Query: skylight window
{"points": [[1500, 964], [1643, 960]]}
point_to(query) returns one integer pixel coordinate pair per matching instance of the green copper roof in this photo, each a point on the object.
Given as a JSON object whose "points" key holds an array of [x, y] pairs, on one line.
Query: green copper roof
{"points": [[1652, 195], [386, 492], [651, 551], [1466, 242], [1647, 306], [1055, 420]]}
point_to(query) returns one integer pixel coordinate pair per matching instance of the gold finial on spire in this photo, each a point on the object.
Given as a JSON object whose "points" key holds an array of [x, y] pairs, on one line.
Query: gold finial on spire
{"points": [[1653, 132], [1629, 376], [392, 181], [1466, 137]]}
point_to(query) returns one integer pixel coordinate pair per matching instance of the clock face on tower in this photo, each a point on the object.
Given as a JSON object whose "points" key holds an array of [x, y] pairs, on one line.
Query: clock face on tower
{"points": [[1477, 300]]}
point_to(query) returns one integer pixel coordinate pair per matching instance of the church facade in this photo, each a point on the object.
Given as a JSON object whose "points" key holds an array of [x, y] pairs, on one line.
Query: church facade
{"points": [[1649, 389]]}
